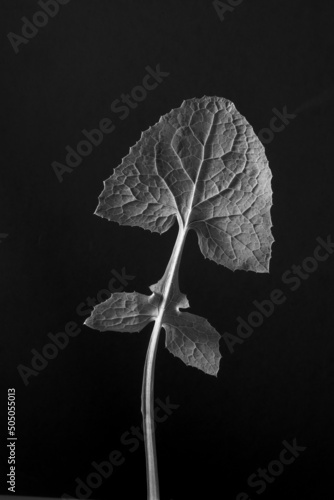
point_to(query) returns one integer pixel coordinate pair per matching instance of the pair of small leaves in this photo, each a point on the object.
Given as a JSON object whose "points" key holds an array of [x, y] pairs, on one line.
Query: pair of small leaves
{"points": [[189, 337], [203, 165]]}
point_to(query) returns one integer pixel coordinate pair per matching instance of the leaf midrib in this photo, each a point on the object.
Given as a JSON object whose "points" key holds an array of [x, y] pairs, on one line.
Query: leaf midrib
{"points": [[200, 166]]}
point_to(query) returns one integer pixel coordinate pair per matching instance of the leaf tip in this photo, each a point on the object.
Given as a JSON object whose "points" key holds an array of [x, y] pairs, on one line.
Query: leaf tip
{"points": [[88, 322]]}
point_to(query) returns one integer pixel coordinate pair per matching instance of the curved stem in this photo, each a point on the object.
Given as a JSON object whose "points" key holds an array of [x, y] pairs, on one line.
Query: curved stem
{"points": [[148, 416], [147, 404]]}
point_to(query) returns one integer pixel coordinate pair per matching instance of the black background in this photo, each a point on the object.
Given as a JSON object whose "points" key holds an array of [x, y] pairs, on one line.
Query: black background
{"points": [[278, 384]]}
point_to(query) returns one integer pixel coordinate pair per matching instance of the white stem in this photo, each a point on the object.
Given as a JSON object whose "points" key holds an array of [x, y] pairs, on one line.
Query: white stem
{"points": [[147, 404]]}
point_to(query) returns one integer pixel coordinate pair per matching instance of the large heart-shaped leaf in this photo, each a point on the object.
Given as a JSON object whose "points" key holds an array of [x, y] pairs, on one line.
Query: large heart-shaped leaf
{"points": [[204, 163]]}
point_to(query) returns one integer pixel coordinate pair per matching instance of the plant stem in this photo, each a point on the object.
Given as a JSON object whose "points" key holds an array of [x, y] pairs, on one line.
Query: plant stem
{"points": [[147, 403], [148, 416]]}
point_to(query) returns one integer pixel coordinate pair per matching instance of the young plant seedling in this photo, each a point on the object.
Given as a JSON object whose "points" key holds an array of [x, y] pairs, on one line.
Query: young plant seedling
{"points": [[201, 165]]}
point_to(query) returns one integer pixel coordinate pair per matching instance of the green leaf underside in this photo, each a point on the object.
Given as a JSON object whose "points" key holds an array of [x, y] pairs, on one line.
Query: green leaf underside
{"points": [[203, 165]]}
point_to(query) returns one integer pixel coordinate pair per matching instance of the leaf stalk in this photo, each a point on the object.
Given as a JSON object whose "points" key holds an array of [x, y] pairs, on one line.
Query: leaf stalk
{"points": [[147, 398]]}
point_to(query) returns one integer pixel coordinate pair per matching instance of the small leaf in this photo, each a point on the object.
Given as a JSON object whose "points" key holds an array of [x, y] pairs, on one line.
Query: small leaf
{"points": [[124, 312], [192, 339], [189, 337]]}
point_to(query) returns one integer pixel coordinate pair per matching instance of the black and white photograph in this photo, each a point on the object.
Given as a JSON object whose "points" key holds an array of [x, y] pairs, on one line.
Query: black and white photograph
{"points": [[167, 249]]}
